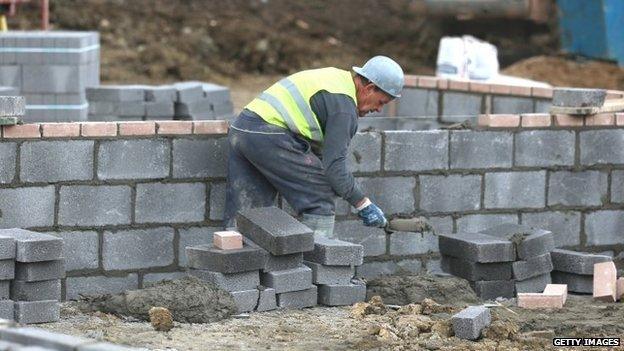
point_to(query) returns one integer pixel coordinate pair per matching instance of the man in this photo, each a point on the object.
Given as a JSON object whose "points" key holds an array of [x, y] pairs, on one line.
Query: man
{"points": [[294, 137]]}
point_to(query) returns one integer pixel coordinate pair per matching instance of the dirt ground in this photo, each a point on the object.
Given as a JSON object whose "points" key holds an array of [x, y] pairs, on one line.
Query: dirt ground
{"points": [[420, 324]]}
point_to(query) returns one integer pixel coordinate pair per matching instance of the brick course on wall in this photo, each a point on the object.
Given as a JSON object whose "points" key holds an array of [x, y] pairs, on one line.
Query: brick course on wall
{"points": [[127, 204]]}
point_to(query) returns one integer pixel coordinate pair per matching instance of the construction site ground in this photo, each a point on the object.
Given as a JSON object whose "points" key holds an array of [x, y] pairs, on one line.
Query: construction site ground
{"points": [[420, 323]]}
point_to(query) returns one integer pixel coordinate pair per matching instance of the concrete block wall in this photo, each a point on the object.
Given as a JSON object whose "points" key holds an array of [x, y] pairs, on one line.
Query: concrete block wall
{"points": [[128, 197]]}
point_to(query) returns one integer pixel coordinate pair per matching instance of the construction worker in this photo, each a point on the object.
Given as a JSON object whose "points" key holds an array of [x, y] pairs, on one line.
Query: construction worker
{"points": [[293, 139]]}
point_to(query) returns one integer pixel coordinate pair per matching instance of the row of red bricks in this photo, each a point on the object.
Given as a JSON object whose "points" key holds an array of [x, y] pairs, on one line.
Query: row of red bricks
{"points": [[112, 129], [542, 120], [430, 82]]}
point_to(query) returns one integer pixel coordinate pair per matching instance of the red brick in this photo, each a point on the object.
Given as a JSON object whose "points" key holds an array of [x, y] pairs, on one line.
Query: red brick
{"points": [[174, 127], [601, 119], [483, 121], [538, 301], [459, 85], [210, 127], [619, 119], [536, 120], [559, 290], [228, 240], [605, 276], [22, 131], [98, 129], [500, 89], [520, 90], [619, 288], [568, 121], [443, 83], [615, 94], [427, 82], [504, 121], [411, 81], [479, 87], [60, 130], [542, 92], [137, 128]]}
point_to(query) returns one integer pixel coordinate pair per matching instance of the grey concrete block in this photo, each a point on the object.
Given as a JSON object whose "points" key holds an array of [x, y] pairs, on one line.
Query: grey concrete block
{"points": [[12, 106], [7, 247], [511, 104], [334, 252], [194, 110], [450, 193], [36, 291], [11, 75], [282, 262], [37, 271], [491, 289], [80, 249], [469, 323], [9, 91], [341, 294], [53, 78], [410, 266], [532, 267], [604, 227], [461, 104], [215, 92], [370, 270], [162, 93], [542, 105], [267, 300], [275, 230], [535, 284], [617, 186], [205, 158], [192, 237], [152, 278], [133, 159], [576, 262], [441, 224], [565, 226], [373, 240], [105, 346], [86, 205], [601, 146], [52, 161], [7, 269], [162, 109], [365, 153], [393, 194], [418, 102], [246, 300], [206, 257], [408, 243], [586, 188], [298, 299], [5, 289], [322, 274], [529, 242], [31, 312], [577, 283], [27, 207], [188, 91], [477, 247], [229, 281], [515, 190], [416, 150], [41, 337], [471, 149], [7, 310], [76, 286], [136, 249], [116, 93], [217, 201], [8, 152], [32, 246], [578, 97], [296, 279], [119, 109], [476, 271], [477, 222], [170, 203], [545, 148]]}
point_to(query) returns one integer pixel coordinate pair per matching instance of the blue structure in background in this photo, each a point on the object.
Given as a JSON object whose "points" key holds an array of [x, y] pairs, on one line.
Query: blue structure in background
{"points": [[593, 28]]}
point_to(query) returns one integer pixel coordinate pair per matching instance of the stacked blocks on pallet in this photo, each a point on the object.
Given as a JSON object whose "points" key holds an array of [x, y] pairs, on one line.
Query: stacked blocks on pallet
{"points": [[333, 265], [180, 101], [500, 261], [576, 269], [284, 239], [51, 69]]}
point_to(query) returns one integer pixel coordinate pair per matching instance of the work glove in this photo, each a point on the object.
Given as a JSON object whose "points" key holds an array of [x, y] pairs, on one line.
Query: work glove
{"points": [[372, 216]]}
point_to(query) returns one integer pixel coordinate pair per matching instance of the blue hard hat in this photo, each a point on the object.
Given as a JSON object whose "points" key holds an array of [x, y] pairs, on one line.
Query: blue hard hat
{"points": [[385, 73]]}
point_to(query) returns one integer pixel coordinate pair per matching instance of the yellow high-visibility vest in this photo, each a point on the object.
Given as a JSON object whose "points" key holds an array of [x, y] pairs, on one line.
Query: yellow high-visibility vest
{"points": [[287, 102]]}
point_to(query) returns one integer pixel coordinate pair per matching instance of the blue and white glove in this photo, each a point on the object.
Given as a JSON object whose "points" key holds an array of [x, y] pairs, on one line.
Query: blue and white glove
{"points": [[371, 215]]}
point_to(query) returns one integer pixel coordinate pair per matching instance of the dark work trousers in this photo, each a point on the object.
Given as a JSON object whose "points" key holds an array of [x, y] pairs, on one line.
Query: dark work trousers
{"points": [[265, 160]]}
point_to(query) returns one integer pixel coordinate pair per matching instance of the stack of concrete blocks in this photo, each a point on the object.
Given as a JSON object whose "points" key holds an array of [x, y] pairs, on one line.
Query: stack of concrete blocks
{"points": [[333, 265], [285, 239], [36, 339], [576, 269], [199, 101], [51, 69], [234, 266]]}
